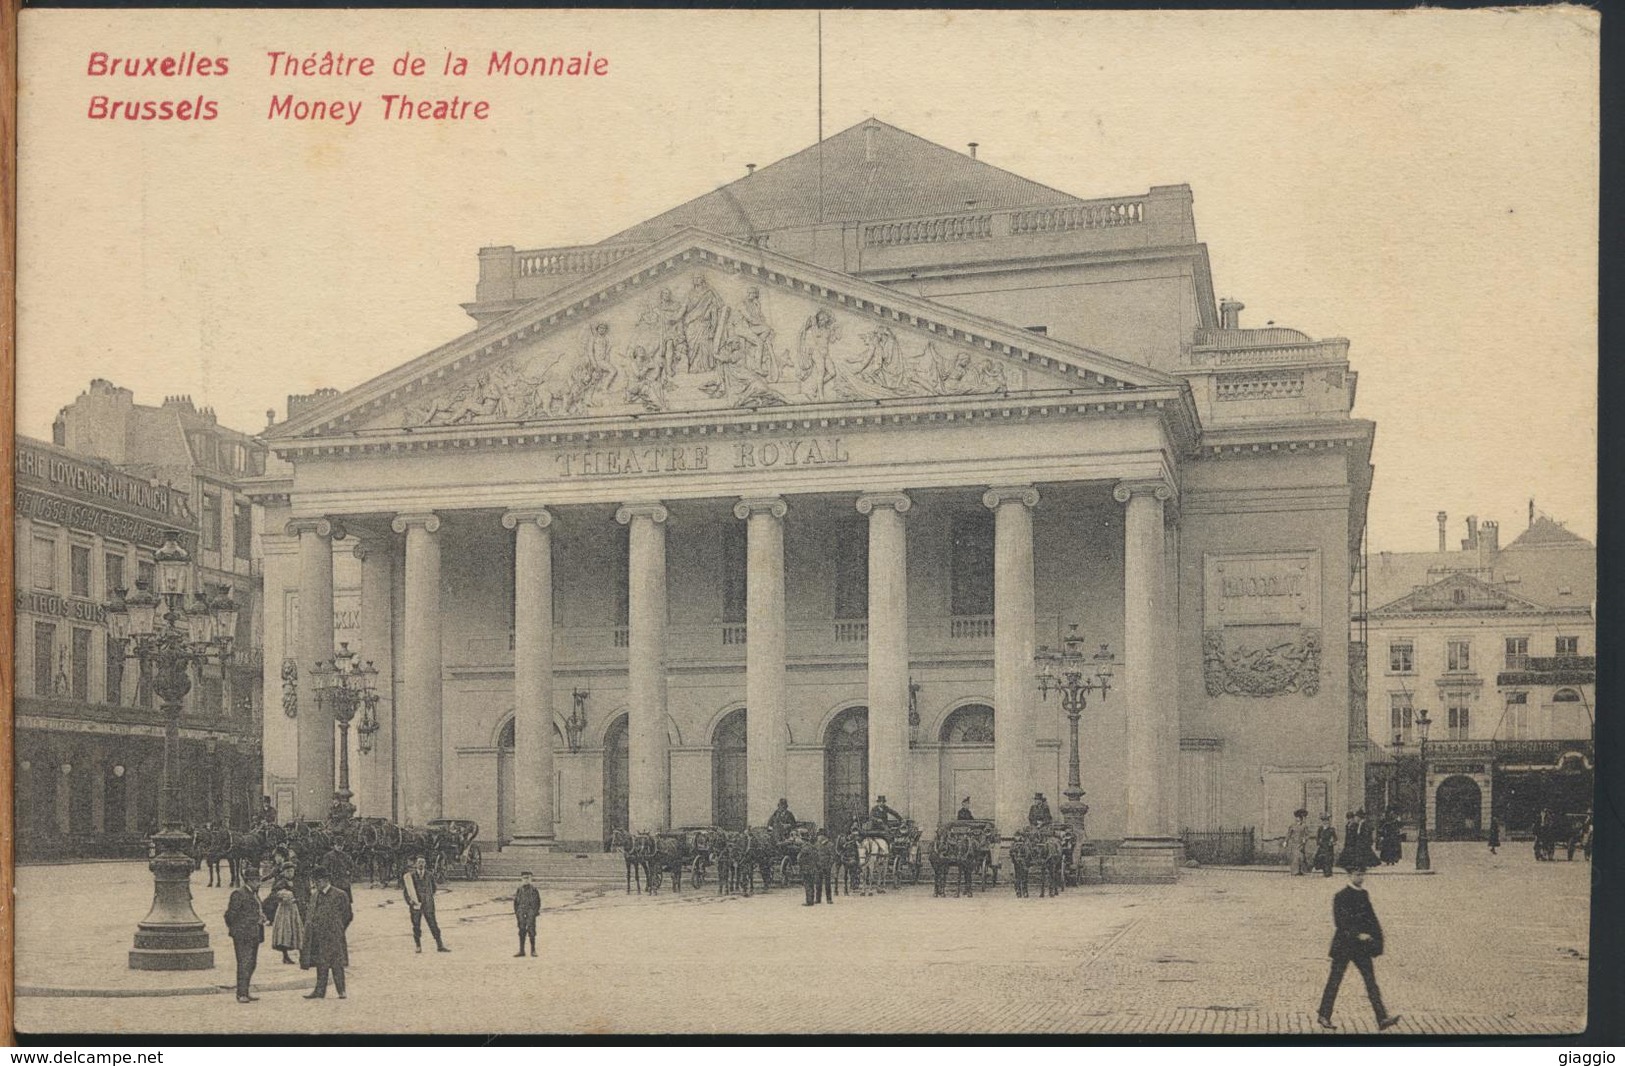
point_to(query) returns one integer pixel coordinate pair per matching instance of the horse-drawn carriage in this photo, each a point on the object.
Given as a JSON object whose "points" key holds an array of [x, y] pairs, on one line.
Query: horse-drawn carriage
{"points": [[965, 846], [451, 847], [1049, 850]]}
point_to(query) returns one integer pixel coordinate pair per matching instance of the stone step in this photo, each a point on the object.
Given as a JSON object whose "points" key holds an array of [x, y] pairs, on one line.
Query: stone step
{"points": [[555, 867]]}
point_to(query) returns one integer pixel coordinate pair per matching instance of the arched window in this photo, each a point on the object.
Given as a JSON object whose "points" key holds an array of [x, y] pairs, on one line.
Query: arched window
{"points": [[1566, 695], [846, 767], [729, 772], [970, 724]]}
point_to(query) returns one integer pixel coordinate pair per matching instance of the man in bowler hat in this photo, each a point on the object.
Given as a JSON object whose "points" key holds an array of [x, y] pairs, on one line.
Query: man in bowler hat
{"points": [[326, 947], [246, 923], [1357, 939]]}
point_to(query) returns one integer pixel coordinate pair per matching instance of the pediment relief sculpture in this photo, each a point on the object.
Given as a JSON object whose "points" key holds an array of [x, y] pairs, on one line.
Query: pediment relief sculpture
{"points": [[719, 341]]}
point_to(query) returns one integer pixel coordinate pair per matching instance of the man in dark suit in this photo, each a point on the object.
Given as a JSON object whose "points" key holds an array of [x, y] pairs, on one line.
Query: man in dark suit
{"points": [[1358, 939], [964, 810], [339, 867], [1325, 846], [245, 923], [527, 904], [325, 946], [1039, 812], [418, 885], [826, 857]]}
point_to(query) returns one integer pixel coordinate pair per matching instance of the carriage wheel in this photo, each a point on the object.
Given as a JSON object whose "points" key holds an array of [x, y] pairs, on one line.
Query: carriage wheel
{"points": [[699, 873], [471, 866]]}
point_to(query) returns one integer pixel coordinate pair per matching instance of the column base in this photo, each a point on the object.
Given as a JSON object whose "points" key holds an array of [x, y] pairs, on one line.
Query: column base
{"points": [[1146, 861]]}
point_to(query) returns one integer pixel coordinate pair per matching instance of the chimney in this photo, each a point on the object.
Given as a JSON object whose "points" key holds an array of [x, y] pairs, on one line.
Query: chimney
{"points": [[1443, 518], [972, 147], [1230, 313], [1489, 535], [871, 131], [1531, 512], [1470, 542], [750, 168]]}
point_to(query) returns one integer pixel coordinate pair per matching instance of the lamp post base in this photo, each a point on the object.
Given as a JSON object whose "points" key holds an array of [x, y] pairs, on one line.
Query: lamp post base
{"points": [[171, 936], [1423, 861]]}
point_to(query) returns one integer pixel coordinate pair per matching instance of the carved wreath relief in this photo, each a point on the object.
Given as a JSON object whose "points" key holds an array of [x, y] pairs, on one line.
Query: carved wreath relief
{"points": [[1272, 670], [697, 348]]}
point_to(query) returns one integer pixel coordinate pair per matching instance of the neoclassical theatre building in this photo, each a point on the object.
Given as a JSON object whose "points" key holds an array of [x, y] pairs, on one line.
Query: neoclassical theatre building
{"points": [[777, 495]]}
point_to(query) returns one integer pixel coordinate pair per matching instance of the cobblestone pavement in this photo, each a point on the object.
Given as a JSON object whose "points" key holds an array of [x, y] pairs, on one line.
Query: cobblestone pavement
{"points": [[1493, 945]]}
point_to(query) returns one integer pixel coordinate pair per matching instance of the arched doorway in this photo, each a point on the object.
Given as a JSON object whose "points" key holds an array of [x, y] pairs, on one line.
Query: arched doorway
{"points": [[1457, 808], [966, 762], [617, 777], [728, 772], [846, 768], [506, 800]]}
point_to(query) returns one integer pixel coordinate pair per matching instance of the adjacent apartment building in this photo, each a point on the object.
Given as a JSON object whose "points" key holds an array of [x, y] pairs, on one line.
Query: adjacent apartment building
{"points": [[1497, 644]]}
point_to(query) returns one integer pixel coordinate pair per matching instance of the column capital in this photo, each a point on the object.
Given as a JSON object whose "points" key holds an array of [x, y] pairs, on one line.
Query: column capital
{"points": [[1157, 487], [519, 516], [895, 500], [1024, 494], [754, 505], [427, 520], [653, 510], [320, 525]]}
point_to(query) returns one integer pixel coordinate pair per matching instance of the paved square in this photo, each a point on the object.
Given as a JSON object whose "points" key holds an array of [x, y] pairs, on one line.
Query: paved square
{"points": [[1488, 944]]}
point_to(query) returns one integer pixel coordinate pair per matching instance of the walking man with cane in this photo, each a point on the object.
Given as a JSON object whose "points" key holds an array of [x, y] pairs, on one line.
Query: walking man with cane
{"points": [[1358, 939]]}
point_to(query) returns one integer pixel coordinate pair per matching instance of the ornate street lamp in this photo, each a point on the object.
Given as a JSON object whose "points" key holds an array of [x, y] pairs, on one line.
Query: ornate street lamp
{"points": [[1064, 671], [184, 638], [1422, 860], [344, 686]]}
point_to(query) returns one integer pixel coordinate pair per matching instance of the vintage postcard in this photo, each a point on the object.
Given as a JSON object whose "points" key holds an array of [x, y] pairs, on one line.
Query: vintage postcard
{"points": [[806, 522]]}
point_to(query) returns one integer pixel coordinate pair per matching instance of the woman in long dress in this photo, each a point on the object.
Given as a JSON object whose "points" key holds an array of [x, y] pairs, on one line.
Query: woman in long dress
{"points": [[287, 928]]}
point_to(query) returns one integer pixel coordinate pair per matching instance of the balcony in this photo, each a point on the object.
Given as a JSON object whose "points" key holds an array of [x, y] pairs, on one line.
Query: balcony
{"points": [[1551, 670], [1158, 218]]}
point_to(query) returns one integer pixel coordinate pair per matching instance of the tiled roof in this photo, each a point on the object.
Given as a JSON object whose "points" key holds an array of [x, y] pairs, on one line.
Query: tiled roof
{"points": [[908, 176], [1564, 577], [1543, 532]]}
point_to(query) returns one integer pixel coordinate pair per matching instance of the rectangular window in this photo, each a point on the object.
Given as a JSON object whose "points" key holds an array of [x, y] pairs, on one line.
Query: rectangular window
{"points": [[211, 520], [1517, 716], [1456, 722], [115, 672], [1401, 657], [146, 573], [1568, 646], [734, 568], [44, 563], [44, 658], [79, 570], [971, 562], [1458, 656], [210, 697], [113, 566], [1400, 718], [1517, 653], [852, 569], [242, 529], [81, 665]]}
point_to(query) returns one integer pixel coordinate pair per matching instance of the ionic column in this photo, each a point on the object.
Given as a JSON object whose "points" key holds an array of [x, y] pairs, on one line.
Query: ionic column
{"points": [[532, 675], [313, 643], [1168, 612], [649, 791], [1015, 727], [418, 717], [888, 647], [765, 754], [376, 784], [1144, 653]]}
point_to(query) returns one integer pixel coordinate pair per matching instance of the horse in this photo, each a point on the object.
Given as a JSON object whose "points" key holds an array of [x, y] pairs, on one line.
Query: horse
{"points": [[664, 854], [214, 845], [873, 853], [636, 859], [1041, 851], [735, 870]]}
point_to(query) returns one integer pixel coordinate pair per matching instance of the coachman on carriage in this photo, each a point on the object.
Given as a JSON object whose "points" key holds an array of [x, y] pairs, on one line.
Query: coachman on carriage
{"points": [[1049, 850], [451, 847]]}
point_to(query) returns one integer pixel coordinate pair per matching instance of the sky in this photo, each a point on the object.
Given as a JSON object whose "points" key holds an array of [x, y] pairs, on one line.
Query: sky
{"points": [[1423, 183]]}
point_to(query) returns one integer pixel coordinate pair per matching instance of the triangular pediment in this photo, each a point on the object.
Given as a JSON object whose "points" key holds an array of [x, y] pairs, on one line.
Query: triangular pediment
{"points": [[1457, 592], [699, 323]]}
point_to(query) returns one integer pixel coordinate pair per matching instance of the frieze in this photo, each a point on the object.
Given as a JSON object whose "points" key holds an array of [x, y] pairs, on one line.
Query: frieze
{"points": [[720, 342], [1276, 669], [686, 458]]}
